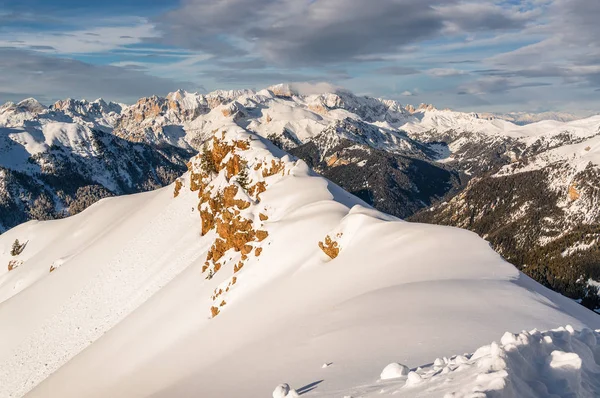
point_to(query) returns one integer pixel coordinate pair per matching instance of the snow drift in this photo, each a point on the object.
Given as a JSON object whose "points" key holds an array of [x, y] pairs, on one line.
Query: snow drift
{"points": [[248, 272], [560, 363]]}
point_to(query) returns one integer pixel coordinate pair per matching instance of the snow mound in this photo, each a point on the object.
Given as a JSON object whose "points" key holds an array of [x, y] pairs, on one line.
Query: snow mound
{"points": [[284, 391], [561, 362], [393, 371]]}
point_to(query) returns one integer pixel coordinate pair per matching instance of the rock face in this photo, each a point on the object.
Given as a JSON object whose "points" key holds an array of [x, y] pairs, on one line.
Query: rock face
{"points": [[396, 183], [161, 120], [227, 209]]}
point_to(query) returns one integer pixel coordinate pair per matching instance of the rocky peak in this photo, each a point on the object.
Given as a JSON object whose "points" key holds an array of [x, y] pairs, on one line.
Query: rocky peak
{"points": [[177, 95], [282, 90], [84, 108], [30, 105], [8, 106], [427, 107]]}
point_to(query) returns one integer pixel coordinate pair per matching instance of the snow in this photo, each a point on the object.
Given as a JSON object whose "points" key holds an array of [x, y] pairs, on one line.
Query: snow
{"points": [[284, 391], [191, 118], [560, 362], [127, 311], [393, 371]]}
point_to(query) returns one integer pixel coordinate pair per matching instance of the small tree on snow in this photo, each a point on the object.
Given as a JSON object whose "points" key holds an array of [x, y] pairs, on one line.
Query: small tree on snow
{"points": [[207, 162], [17, 248], [242, 178]]}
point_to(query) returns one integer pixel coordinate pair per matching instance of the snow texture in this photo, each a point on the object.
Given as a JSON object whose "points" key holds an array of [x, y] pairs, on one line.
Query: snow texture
{"points": [[126, 314]]}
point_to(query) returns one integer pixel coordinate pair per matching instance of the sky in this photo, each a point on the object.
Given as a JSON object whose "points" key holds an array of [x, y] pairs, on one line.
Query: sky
{"points": [[496, 56]]}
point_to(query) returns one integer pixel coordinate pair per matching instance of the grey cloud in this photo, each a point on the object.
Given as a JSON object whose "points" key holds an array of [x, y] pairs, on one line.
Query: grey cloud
{"points": [[496, 85], [338, 74], [24, 72], [265, 78], [397, 70], [577, 20], [570, 74], [41, 48], [292, 32], [570, 49], [482, 16], [243, 64], [134, 67]]}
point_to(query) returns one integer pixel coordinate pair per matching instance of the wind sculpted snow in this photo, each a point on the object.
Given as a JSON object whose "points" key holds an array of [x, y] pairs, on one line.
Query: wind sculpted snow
{"points": [[126, 312]]}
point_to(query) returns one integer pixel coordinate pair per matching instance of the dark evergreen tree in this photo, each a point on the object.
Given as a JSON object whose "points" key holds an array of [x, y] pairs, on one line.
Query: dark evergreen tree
{"points": [[242, 178], [17, 248], [207, 162]]}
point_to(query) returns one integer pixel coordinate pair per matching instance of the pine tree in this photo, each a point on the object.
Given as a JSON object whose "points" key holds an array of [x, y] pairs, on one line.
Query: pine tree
{"points": [[242, 178], [207, 162], [17, 248]]}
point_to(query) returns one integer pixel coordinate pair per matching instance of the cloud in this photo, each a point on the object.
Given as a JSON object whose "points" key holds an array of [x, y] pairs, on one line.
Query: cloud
{"points": [[23, 73], [308, 88], [42, 48], [482, 16], [445, 72], [496, 85], [109, 35], [260, 77], [494, 52], [568, 50], [292, 32], [397, 70], [407, 94]]}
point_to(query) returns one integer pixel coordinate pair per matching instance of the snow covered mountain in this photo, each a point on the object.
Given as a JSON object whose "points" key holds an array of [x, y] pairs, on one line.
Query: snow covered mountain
{"points": [[251, 271], [173, 128], [540, 211], [55, 162], [399, 159]]}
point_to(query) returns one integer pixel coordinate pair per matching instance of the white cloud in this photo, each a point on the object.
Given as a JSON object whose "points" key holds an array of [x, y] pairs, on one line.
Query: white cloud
{"points": [[123, 32], [445, 72]]}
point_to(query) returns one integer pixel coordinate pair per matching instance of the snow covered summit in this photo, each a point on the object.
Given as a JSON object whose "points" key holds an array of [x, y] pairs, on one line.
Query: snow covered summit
{"points": [[248, 272]]}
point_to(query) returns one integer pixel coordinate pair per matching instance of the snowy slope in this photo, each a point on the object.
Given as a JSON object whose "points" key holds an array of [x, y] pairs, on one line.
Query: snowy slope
{"points": [[148, 298]]}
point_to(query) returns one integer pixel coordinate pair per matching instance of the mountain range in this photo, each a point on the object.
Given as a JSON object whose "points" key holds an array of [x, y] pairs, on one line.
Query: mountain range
{"points": [[530, 189]]}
